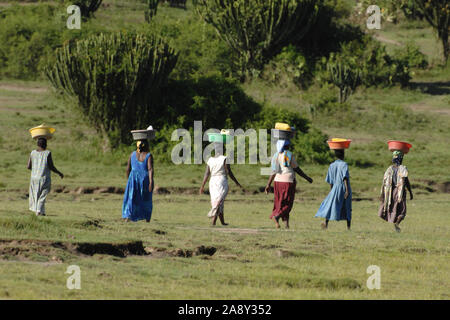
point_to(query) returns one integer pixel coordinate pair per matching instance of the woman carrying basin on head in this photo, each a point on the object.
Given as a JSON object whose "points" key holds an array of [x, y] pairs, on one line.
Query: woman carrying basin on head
{"points": [[41, 164], [284, 168], [338, 204], [217, 171], [138, 197], [393, 189]]}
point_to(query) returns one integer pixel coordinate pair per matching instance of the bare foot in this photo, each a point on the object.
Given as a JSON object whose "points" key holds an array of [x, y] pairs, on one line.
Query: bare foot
{"points": [[324, 225], [277, 225], [224, 224], [148, 220], [397, 228]]}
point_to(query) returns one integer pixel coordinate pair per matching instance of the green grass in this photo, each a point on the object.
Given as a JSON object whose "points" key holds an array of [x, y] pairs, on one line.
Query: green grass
{"points": [[248, 264]]}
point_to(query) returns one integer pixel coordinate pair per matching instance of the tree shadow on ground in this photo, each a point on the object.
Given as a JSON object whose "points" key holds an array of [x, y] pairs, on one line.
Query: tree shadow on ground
{"points": [[434, 88]]}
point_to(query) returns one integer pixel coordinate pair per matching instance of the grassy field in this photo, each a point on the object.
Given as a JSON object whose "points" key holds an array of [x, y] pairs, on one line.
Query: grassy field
{"points": [[252, 260]]}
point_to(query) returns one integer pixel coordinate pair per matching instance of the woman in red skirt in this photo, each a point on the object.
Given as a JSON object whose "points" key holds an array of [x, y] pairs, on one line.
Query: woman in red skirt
{"points": [[284, 167]]}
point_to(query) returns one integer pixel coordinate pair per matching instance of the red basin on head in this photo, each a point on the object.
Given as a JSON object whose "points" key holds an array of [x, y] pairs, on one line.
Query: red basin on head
{"points": [[334, 145], [399, 145]]}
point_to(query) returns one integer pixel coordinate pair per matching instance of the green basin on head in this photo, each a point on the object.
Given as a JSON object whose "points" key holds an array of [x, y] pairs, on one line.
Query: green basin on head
{"points": [[217, 137]]}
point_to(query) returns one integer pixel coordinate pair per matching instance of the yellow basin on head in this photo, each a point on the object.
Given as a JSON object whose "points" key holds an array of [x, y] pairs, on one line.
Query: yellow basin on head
{"points": [[282, 126], [42, 131], [338, 140]]}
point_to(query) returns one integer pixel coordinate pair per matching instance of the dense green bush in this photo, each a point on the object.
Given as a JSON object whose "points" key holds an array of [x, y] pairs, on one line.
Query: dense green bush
{"points": [[372, 62], [114, 78], [270, 115], [312, 147], [202, 52], [28, 35], [289, 66], [411, 56], [309, 144], [215, 101]]}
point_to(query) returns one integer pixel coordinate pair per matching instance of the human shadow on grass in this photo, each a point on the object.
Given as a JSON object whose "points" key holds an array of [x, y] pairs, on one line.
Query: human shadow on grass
{"points": [[439, 88]]}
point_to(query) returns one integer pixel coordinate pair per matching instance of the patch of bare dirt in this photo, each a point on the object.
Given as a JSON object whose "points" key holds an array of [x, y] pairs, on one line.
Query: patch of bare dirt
{"points": [[433, 186], [57, 252], [91, 224], [93, 190], [81, 190]]}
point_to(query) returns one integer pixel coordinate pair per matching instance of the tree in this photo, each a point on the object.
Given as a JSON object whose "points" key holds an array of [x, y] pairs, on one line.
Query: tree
{"points": [[115, 79], [256, 30], [437, 13], [344, 74]]}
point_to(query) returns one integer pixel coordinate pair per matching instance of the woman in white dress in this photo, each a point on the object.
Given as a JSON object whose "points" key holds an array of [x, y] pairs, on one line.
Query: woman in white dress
{"points": [[218, 170]]}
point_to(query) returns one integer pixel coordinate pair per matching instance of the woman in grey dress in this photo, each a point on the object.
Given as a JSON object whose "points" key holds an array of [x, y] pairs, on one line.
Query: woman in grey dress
{"points": [[40, 164]]}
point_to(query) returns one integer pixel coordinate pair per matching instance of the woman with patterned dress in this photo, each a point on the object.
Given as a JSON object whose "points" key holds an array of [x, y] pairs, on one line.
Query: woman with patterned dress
{"points": [[217, 171], [284, 168], [393, 192], [338, 204], [41, 164], [137, 200]]}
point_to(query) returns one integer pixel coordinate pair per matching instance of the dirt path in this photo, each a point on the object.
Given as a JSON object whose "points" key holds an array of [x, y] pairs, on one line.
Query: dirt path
{"points": [[16, 87], [381, 38], [422, 107], [235, 230]]}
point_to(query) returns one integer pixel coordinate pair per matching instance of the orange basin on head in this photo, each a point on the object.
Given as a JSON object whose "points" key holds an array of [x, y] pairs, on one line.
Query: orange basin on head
{"points": [[337, 143], [399, 145]]}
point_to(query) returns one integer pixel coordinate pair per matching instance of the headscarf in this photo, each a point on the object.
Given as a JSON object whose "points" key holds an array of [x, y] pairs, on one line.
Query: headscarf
{"points": [[281, 144], [397, 157], [287, 155]]}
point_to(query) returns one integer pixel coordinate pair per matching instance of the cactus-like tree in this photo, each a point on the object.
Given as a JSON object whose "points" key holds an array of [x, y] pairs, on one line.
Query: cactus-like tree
{"points": [[437, 13], [256, 30], [114, 79], [344, 74]]}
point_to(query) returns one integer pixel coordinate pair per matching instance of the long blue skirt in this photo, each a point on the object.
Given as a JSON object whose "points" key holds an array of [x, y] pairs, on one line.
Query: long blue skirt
{"points": [[137, 201]]}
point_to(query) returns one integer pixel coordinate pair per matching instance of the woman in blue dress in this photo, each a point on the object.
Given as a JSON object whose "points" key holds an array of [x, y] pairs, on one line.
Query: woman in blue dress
{"points": [[338, 204], [137, 201]]}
